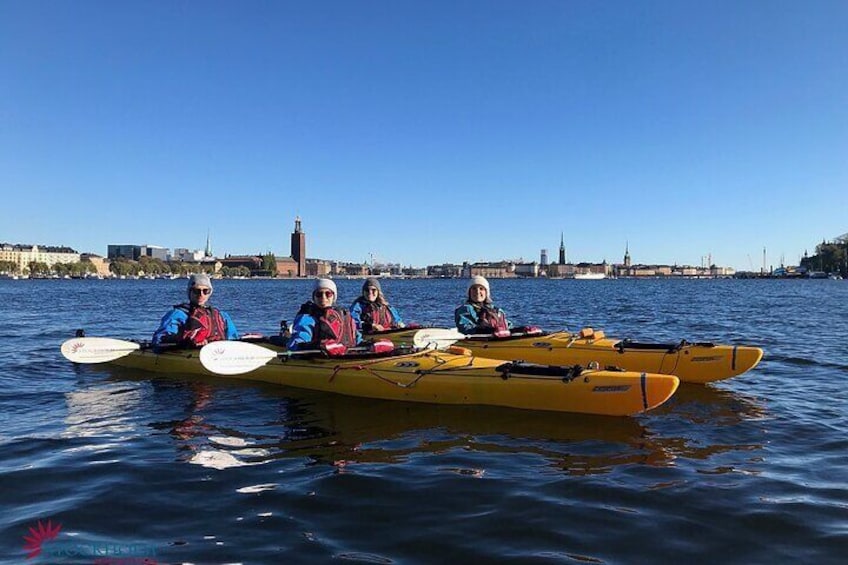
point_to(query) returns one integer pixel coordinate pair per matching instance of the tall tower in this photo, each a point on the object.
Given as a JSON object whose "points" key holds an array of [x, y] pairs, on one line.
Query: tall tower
{"points": [[544, 258], [561, 249], [627, 254], [298, 248], [208, 252]]}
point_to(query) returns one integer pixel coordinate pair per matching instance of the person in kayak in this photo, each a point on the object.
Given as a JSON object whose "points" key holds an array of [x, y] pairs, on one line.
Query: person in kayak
{"points": [[478, 315], [194, 324], [320, 325], [372, 312]]}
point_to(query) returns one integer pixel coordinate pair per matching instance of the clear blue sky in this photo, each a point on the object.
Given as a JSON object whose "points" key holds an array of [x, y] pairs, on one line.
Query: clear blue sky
{"points": [[425, 132]]}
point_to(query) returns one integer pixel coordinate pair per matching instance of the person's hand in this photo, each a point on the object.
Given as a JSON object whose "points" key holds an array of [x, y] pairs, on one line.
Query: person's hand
{"points": [[377, 327], [333, 348]]}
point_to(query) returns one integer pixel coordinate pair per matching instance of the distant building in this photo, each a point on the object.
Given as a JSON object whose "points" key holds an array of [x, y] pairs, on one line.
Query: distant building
{"points": [[351, 270], [23, 255], [136, 252], [252, 262], [298, 248], [189, 256], [561, 248], [286, 267], [499, 270], [131, 252], [544, 258], [414, 272], [318, 268], [445, 270], [527, 269], [101, 264]]}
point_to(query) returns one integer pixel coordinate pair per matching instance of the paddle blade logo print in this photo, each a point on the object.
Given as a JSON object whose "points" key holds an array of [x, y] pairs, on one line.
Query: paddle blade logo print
{"points": [[37, 536], [76, 346]]}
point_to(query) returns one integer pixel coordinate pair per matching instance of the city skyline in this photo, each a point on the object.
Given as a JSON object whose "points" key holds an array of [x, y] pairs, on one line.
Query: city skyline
{"points": [[298, 238], [431, 132]]}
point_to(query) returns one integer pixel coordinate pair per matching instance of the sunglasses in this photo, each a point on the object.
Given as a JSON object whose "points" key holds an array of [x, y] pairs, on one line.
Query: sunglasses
{"points": [[323, 293], [370, 289], [203, 291]]}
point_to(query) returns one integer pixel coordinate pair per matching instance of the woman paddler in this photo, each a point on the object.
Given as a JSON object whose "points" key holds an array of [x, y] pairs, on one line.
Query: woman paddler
{"points": [[372, 312], [478, 315]]}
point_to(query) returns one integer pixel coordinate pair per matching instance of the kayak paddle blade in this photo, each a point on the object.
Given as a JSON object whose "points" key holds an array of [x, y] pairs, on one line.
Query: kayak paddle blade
{"points": [[234, 357], [97, 349], [436, 338]]}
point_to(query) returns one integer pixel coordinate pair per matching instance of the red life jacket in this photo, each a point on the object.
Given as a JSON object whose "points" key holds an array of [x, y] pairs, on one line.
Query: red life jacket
{"points": [[332, 325], [490, 319], [373, 313], [204, 324]]}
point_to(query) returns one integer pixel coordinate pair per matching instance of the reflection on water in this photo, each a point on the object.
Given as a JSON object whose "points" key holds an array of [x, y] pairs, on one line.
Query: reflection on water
{"points": [[344, 431], [103, 409]]}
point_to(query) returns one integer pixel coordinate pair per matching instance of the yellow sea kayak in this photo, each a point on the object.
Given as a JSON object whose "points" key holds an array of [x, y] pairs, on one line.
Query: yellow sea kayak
{"points": [[691, 362], [442, 377]]}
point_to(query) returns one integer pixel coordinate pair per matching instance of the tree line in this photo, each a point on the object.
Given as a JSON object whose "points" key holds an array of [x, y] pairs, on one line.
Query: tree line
{"points": [[830, 258], [144, 266]]}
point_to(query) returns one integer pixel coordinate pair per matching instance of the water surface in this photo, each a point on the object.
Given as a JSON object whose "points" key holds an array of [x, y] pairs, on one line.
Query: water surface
{"points": [[187, 469]]}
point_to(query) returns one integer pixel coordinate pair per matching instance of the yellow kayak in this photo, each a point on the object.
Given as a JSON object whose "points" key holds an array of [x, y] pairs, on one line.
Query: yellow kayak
{"points": [[454, 376], [690, 362]]}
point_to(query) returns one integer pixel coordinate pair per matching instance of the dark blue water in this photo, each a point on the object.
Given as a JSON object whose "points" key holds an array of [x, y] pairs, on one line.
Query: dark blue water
{"points": [[185, 470]]}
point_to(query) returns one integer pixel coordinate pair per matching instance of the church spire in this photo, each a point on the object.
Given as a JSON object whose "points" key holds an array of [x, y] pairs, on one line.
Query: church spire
{"points": [[561, 248], [208, 252]]}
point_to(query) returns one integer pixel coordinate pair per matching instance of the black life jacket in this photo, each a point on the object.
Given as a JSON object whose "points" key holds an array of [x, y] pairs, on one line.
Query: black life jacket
{"points": [[373, 313], [332, 324], [489, 318], [204, 324]]}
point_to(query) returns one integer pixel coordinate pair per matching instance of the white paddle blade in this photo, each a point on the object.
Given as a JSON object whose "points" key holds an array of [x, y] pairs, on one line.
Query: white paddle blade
{"points": [[234, 357], [96, 349], [436, 338]]}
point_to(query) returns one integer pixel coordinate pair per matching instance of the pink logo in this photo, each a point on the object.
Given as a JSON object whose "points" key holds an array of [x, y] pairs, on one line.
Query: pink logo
{"points": [[77, 346], [36, 537]]}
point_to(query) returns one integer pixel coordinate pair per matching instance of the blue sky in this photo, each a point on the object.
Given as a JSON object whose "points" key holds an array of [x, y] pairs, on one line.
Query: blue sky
{"points": [[423, 132]]}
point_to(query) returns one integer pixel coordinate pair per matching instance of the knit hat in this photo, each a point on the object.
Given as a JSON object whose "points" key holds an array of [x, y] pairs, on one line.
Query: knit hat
{"points": [[478, 280], [371, 281], [325, 283], [199, 279]]}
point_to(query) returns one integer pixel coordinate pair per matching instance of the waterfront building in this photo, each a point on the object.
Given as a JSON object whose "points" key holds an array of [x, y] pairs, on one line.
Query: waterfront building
{"points": [[287, 267], [445, 270], [101, 264], [416, 272], [252, 262], [527, 269], [351, 270], [318, 268], [561, 248], [22, 255], [499, 270], [185, 255], [136, 252], [298, 247]]}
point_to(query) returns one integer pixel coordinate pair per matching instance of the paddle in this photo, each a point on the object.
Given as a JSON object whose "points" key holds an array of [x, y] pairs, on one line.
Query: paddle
{"points": [[238, 357], [436, 338], [440, 338], [97, 349], [235, 357]]}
